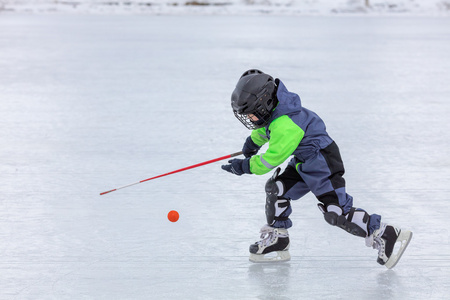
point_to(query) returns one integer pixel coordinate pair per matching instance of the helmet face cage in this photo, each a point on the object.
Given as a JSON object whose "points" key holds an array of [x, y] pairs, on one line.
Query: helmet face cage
{"points": [[262, 110], [262, 120]]}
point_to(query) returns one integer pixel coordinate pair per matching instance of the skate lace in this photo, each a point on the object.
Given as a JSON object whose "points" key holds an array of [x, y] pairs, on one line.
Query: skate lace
{"points": [[376, 243], [267, 238], [268, 235]]}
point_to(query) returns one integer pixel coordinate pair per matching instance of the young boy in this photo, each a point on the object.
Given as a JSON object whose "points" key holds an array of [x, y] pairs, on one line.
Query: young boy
{"points": [[276, 115]]}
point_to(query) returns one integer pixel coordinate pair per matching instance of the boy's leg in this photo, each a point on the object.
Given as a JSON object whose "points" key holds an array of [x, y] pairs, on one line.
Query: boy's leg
{"points": [[324, 176], [280, 190]]}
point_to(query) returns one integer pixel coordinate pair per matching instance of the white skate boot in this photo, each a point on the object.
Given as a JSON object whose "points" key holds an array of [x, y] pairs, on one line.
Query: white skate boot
{"points": [[274, 246], [385, 239]]}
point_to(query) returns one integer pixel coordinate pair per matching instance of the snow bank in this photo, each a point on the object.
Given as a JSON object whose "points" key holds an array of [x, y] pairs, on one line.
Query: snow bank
{"points": [[293, 7]]}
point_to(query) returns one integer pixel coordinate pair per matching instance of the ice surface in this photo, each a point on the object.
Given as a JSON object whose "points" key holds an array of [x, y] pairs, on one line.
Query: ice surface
{"points": [[90, 103]]}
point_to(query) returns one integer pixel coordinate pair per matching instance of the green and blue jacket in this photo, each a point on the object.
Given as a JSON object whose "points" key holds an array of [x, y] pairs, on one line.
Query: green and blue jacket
{"points": [[292, 130]]}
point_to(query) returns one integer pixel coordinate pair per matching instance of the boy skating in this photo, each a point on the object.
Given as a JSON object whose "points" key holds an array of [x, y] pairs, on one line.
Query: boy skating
{"points": [[275, 115]]}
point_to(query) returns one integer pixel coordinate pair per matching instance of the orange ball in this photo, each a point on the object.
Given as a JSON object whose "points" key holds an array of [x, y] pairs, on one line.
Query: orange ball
{"points": [[173, 216]]}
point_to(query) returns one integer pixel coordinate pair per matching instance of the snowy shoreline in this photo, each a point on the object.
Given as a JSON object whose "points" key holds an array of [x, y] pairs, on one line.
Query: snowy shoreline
{"points": [[232, 7]]}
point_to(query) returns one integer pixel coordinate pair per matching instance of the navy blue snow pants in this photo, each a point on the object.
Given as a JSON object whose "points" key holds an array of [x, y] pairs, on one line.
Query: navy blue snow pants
{"points": [[321, 174]]}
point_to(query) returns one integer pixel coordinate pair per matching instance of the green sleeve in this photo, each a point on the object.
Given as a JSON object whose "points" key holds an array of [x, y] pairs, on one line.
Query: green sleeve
{"points": [[285, 136], [259, 136]]}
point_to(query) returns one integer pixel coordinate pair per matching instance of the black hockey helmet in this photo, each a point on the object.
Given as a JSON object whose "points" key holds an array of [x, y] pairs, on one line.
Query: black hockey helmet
{"points": [[255, 93]]}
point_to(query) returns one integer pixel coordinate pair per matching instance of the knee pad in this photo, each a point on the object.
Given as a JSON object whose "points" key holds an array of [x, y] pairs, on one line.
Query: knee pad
{"points": [[274, 186], [355, 222], [275, 206]]}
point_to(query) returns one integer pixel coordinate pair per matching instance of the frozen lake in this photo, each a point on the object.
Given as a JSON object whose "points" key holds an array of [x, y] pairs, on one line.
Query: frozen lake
{"points": [[90, 103]]}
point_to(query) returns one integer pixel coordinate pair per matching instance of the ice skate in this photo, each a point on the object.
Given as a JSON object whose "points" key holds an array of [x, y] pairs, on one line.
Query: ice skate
{"points": [[274, 246], [391, 242]]}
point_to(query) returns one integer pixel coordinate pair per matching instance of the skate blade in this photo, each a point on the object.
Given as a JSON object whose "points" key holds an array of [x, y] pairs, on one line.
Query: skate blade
{"points": [[403, 239], [273, 257]]}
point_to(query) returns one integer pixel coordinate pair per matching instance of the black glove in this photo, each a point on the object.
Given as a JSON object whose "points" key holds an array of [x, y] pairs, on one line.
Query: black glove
{"points": [[250, 148], [238, 166]]}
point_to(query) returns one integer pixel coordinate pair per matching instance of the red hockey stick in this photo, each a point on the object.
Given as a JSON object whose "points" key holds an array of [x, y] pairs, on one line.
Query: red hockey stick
{"points": [[176, 171]]}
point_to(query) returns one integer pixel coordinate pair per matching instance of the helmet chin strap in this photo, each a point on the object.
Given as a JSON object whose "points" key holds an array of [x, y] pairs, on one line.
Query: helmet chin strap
{"points": [[261, 120], [258, 123]]}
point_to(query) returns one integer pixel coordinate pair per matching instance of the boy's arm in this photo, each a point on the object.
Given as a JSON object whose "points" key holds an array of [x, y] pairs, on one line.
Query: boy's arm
{"points": [[254, 142], [259, 137], [285, 136]]}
